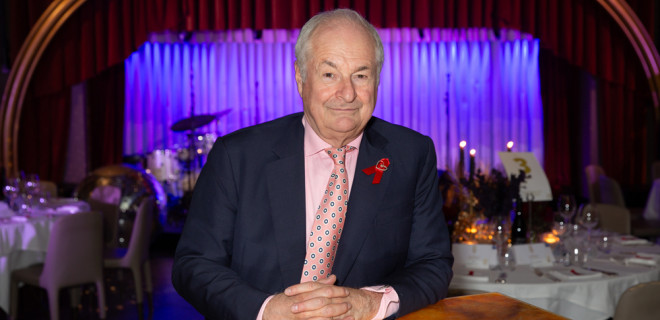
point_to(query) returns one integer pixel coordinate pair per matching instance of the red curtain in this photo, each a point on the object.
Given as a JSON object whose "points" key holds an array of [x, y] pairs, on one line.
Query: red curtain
{"points": [[573, 33], [105, 101], [560, 92]]}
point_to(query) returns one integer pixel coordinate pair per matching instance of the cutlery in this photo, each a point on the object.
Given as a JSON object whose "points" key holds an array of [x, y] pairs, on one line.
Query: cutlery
{"points": [[540, 273], [609, 273], [553, 278]]}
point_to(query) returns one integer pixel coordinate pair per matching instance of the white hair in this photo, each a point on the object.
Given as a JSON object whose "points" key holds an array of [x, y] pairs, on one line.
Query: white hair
{"points": [[347, 15]]}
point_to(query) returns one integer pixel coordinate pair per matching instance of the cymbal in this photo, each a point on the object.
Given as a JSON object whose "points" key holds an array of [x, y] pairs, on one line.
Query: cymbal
{"points": [[198, 121]]}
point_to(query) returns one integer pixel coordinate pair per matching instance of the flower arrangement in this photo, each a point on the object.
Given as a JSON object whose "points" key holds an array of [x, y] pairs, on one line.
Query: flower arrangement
{"points": [[479, 199], [493, 193]]}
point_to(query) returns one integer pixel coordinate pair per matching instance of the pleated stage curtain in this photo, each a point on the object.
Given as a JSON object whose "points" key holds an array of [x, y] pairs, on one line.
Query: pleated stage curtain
{"points": [[451, 85]]}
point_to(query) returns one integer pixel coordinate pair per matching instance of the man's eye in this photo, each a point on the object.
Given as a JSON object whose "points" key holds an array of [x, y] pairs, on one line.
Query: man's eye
{"points": [[362, 76], [328, 75]]}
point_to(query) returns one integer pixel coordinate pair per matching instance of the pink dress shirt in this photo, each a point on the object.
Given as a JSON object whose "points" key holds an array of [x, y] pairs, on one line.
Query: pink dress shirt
{"points": [[318, 167]]}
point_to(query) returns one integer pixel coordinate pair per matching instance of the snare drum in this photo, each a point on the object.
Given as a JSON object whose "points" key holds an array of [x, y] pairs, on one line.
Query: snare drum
{"points": [[163, 165]]}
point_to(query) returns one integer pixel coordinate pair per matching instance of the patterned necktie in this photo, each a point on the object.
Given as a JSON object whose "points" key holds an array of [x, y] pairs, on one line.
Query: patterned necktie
{"points": [[329, 220]]}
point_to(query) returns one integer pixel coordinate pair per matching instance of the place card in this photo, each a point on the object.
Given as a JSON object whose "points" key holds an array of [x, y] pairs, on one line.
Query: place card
{"points": [[536, 186], [534, 254], [475, 256]]}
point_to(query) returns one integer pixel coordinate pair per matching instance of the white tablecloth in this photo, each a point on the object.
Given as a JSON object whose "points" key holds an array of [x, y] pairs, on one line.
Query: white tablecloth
{"points": [[574, 299], [652, 209], [24, 240]]}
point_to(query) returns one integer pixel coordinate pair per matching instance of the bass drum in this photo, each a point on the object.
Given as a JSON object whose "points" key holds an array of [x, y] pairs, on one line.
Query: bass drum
{"points": [[164, 165]]}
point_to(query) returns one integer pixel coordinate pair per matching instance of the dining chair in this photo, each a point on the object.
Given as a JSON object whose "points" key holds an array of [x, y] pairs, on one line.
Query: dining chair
{"points": [[613, 218], [136, 256], [74, 257], [603, 189], [110, 214], [639, 302], [48, 187]]}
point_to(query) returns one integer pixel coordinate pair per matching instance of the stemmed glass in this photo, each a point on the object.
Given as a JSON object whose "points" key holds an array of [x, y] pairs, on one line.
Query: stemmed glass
{"points": [[588, 218], [31, 189], [566, 206], [501, 233], [11, 190], [561, 229]]}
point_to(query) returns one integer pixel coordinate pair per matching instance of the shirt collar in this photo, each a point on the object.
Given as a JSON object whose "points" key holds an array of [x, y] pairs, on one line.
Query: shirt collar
{"points": [[314, 144]]}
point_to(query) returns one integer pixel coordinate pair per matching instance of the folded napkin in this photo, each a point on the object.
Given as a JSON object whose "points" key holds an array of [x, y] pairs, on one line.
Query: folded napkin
{"points": [[68, 209], [647, 259], [19, 218], [575, 274], [472, 275], [629, 240], [6, 213]]}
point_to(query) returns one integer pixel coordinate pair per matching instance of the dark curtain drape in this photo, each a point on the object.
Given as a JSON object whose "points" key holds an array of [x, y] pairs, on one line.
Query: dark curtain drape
{"points": [[573, 33], [105, 102], [560, 92]]}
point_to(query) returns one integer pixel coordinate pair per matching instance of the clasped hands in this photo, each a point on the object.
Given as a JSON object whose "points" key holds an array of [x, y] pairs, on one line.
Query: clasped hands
{"points": [[323, 300]]}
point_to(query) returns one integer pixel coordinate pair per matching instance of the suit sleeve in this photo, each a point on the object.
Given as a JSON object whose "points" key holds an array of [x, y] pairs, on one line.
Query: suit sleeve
{"points": [[202, 271], [428, 270]]}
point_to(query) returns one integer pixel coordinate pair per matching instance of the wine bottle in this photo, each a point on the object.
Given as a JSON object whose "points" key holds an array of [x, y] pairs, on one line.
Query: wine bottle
{"points": [[518, 227]]}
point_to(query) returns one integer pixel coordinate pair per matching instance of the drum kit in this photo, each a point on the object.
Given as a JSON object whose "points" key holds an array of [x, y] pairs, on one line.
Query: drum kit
{"points": [[178, 169]]}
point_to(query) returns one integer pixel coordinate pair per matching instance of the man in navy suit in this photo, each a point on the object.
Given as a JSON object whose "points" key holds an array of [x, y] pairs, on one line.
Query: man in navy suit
{"points": [[243, 247]]}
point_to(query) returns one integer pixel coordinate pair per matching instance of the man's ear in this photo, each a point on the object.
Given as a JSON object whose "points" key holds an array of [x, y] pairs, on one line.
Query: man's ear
{"points": [[299, 81]]}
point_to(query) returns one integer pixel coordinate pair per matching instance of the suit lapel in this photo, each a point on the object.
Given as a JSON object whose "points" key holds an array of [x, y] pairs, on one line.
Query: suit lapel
{"points": [[285, 180], [362, 204]]}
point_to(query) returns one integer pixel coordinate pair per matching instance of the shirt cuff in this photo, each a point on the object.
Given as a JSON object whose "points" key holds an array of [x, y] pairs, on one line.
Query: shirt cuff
{"points": [[260, 316], [389, 303]]}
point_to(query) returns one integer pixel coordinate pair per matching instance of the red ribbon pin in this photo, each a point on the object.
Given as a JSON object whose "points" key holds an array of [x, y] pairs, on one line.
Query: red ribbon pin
{"points": [[378, 169]]}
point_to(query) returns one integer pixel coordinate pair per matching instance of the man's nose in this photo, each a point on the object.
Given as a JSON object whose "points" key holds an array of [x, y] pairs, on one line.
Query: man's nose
{"points": [[346, 90]]}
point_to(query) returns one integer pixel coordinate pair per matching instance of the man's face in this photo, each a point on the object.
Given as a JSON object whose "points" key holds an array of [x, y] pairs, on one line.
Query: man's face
{"points": [[339, 92]]}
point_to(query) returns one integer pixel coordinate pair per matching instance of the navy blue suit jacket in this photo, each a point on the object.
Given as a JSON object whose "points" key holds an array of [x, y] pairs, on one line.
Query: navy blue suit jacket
{"points": [[244, 236]]}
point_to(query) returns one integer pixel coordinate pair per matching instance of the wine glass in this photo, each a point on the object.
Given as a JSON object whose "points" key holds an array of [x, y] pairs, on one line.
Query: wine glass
{"points": [[561, 229], [588, 218], [501, 231], [506, 258], [566, 206], [31, 189], [11, 190]]}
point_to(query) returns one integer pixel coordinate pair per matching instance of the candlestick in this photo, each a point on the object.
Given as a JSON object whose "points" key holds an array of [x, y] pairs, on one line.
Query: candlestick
{"points": [[473, 152], [461, 159], [509, 146]]}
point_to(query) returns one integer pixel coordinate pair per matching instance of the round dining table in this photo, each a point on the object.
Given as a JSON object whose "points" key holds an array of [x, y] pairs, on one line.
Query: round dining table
{"points": [[24, 237], [587, 291]]}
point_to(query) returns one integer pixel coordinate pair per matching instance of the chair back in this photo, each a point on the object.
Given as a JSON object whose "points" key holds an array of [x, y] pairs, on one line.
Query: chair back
{"points": [[138, 247], [610, 192], [110, 213], [75, 251], [613, 218], [603, 189], [639, 302], [48, 187]]}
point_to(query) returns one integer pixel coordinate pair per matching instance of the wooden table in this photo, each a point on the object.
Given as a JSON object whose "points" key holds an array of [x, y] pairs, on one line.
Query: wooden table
{"points": [[483, 306]]}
